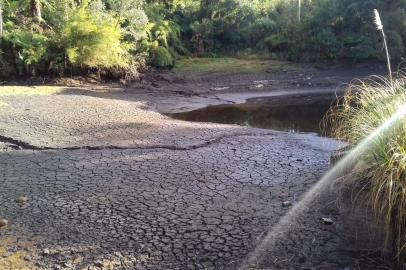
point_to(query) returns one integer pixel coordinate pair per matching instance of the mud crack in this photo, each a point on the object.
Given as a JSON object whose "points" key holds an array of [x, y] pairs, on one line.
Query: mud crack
{"points": [[21, 145]]}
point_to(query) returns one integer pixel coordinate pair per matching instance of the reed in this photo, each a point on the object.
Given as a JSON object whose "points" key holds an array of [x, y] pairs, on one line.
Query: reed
{"points": [[379, 26]]}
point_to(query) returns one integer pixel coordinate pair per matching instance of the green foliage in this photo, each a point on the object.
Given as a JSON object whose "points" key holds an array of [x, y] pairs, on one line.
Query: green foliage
{"points": [[94, 41], [131, 16], [396, 45], [248, 65], [163, 31], [63, 36], [162, 57], [328, 29], [67, 36], [338, 29], [30, 47]]}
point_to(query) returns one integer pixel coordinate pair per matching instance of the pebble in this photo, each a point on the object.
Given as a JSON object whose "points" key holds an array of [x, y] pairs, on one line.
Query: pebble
{"points": [[28, 258], [6, 254], [22, 199], [287, 204], [3, 223], [327, 221], [69, 264]]}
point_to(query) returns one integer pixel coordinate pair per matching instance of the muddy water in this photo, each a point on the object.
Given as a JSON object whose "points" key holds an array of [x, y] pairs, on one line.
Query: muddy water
{"points": [[296, 114]]}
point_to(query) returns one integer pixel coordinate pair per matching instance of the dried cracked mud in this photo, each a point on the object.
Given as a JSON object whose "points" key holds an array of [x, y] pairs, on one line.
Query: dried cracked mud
{"points": [[113, 185]]}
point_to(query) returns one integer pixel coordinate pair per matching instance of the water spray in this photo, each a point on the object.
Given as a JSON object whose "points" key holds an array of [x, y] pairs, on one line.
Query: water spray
{"points": [[336, 172]]}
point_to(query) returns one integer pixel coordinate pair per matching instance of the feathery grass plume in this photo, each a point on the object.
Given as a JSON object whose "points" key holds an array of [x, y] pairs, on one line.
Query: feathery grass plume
{"points": [[366, 106], [379, 26], [300, 10], [378, 21]]}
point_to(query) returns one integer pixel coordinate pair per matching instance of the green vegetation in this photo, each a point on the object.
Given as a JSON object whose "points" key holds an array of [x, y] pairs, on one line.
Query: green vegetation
{"points": [[70, 37], [118, 37], [365, 107], [228, 64], [162, 57]]}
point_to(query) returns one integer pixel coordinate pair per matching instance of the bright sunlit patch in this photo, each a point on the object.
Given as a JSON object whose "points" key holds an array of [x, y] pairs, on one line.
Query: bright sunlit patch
{"points": [[278, 231], [29, 90]]}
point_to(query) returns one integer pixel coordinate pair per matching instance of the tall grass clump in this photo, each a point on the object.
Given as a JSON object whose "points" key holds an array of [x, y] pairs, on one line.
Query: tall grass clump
{"points": [[366, 106]]}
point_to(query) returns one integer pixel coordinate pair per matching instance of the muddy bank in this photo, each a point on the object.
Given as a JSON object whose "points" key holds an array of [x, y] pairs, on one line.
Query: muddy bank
{"points": [[171, 92]]}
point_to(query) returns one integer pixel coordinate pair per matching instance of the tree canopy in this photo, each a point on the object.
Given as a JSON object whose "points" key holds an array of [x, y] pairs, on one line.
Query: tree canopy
{"points": [[57, 37]]}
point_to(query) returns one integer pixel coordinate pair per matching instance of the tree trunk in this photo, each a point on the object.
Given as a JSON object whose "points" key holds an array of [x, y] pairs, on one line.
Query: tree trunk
{"points": [[35, 9]]}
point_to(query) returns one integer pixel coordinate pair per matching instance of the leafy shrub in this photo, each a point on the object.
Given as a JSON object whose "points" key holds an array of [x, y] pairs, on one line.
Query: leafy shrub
{"points": [[396, 45], [162, 57], [30, 48], [357, 48], [93, 40], [253, 33]]}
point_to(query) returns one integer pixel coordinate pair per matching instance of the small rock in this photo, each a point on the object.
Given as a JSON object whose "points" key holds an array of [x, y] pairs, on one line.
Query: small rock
{"points": [[327, 221], [3, 223], [68, 264], [22, 199], [46, 251], [6, 254], [28, 258], [287, 204]]}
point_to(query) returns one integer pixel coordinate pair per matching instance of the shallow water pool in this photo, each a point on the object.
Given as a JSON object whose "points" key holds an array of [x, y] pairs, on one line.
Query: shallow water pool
{"points": [[296, 114]]}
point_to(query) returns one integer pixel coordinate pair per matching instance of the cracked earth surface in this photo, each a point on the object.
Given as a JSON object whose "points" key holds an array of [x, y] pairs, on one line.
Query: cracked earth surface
{"points": [[111, 185]]}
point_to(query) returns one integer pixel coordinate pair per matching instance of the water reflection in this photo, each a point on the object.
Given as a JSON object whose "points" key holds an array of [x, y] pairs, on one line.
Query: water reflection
{"points": [[293, 114]]}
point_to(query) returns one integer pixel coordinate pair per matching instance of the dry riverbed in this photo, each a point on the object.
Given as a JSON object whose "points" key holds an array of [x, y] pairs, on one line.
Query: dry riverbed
{"points": [[96, 178]]}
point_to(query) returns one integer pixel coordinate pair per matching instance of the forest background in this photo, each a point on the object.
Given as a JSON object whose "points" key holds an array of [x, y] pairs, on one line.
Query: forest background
{"points": [[118, 38]]}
